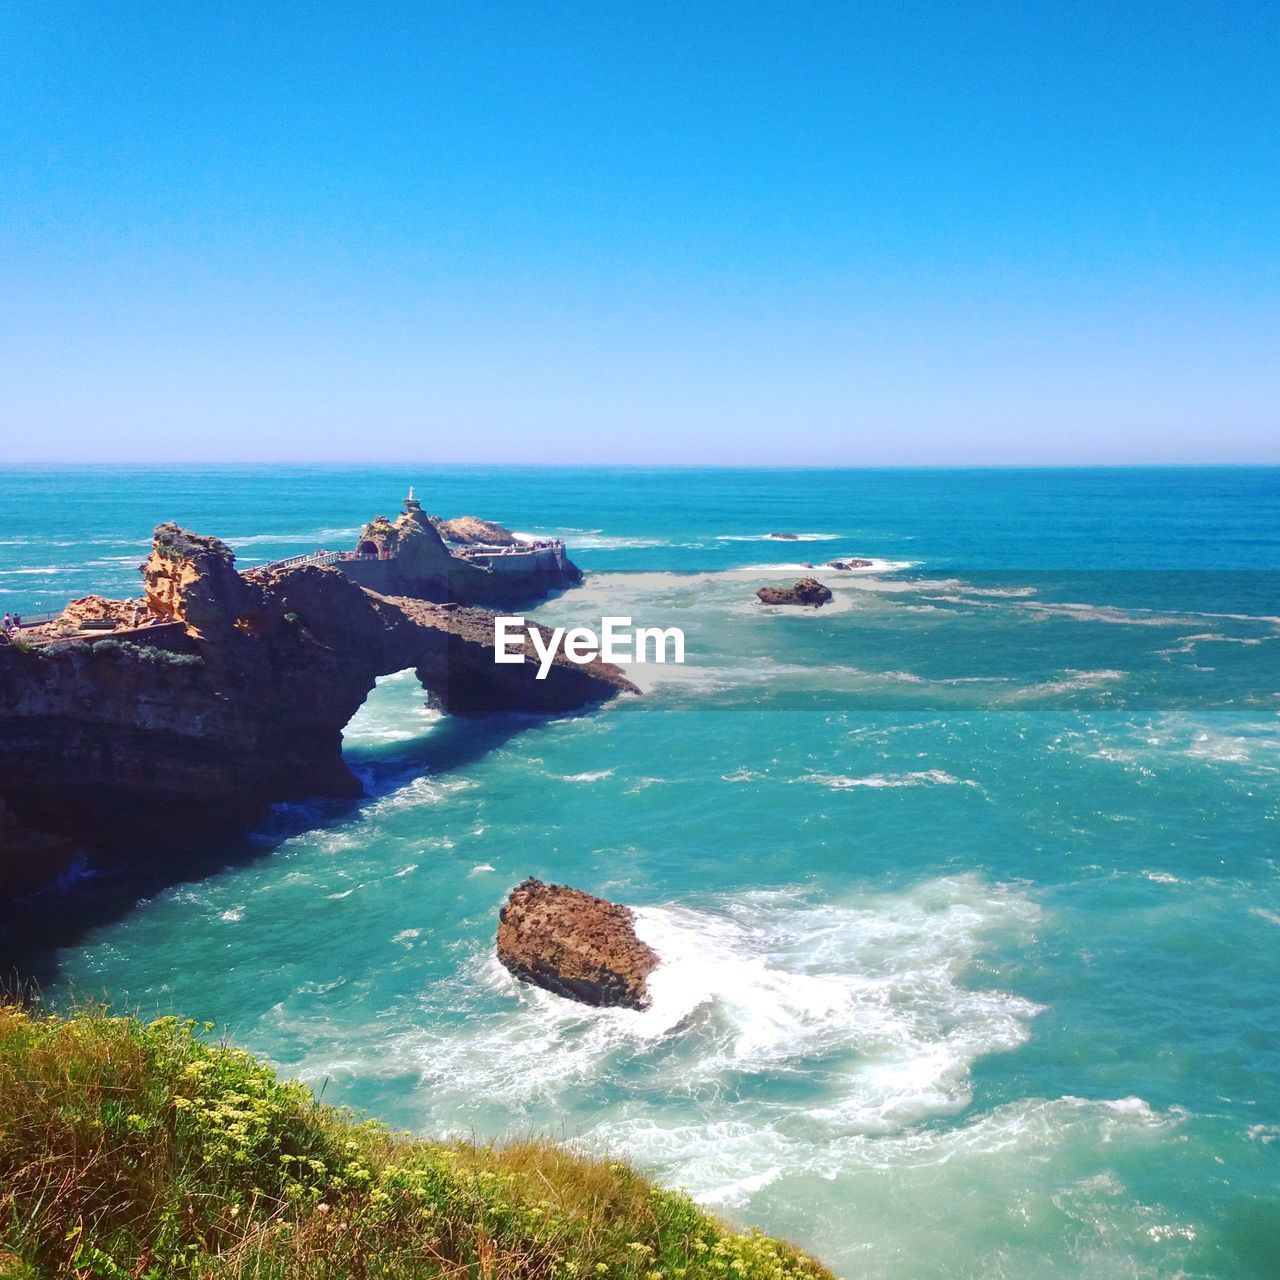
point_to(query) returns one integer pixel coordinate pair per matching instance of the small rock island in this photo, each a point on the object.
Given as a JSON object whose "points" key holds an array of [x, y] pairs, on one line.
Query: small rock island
{"points": [[466, 559], [808, 592], [575, 945]]}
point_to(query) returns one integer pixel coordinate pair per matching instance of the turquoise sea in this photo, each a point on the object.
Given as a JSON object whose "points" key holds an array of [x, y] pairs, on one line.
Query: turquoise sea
{"points": [[967, 886]]}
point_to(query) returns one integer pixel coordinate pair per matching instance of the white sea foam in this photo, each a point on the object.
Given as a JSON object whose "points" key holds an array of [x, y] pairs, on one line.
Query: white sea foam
{"points": [[1150, 744], [786, 568], [1133, 617], [112, 561], [1219, 749], [999, 593], [396, 711], [308, 538], [692, 600], [920, 778], [1188, 643], [596, 540], [426, 790], [1104, 613], [866, 999], [595, 775], [768, 537], [724, 1162], [1070, 681]]}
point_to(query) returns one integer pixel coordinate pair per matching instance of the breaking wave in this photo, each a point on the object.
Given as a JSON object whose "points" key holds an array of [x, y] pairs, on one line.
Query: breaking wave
{"points": [[313, 538], [769, 537], [920, 778], [863, 1005]]}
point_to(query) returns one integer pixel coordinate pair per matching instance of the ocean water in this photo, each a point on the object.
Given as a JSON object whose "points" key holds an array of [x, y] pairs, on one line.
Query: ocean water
{"points": [[967, 887]]}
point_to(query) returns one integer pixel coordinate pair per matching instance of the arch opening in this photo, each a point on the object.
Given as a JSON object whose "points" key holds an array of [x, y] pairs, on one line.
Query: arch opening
{"points": [[368, 548], [396, 712]]}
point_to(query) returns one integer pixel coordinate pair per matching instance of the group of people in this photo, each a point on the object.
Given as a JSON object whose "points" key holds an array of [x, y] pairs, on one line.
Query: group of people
{"points": [[517, 549], [12, 621]]}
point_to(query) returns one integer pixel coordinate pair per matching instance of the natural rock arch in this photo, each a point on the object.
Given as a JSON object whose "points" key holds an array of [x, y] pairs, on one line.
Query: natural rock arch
{"points": [[120, 743]]}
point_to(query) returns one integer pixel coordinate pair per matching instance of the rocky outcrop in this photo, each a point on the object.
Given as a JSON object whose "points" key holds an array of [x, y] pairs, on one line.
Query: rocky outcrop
{"points": [[574, 944], [193, 579], [94, 610], [413, 560], [471, 531], [240, 702], [784, 537], [808, 592], [845, 565]]}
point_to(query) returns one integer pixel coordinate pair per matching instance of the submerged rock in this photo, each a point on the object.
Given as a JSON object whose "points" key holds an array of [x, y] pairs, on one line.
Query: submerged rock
{"points": [[848, 564], [575, 945], [785, 537], [808, 591]]}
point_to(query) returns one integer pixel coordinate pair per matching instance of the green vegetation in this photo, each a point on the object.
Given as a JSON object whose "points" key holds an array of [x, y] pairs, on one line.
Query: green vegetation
{"points": [[143, 1151]]}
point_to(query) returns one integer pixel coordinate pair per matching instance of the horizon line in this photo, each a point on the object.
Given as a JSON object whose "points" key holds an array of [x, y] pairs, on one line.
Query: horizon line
{"points": [[311, 463]]}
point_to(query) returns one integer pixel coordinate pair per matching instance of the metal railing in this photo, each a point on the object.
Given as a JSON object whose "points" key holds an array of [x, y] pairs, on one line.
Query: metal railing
{"points": [[39, 619], [463, 553], [311, 557], [520, 549]]}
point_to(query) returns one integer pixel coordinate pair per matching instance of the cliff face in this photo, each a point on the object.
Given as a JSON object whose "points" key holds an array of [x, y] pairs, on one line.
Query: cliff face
{"points": [[120, 742], [193, 579]]}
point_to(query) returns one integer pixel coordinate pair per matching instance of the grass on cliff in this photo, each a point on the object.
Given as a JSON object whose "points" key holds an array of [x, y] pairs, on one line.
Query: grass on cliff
{"points": [[140, 1150]]}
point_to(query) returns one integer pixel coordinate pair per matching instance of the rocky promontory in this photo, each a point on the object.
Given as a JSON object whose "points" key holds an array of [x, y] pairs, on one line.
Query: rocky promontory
{"points": [[230, 696], [575, 945], [807, 592], [466, 560]]}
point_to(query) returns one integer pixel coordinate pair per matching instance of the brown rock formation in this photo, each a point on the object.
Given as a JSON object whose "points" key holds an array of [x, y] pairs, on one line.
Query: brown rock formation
{"points": [[239, 702], [472, 531], [417, 563], [194, 579], [808, 591], [94, 609], [575, 945]]}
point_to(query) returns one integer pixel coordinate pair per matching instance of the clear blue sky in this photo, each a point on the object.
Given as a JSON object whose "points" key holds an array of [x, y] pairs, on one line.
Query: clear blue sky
{"points": [[640, 232]]}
